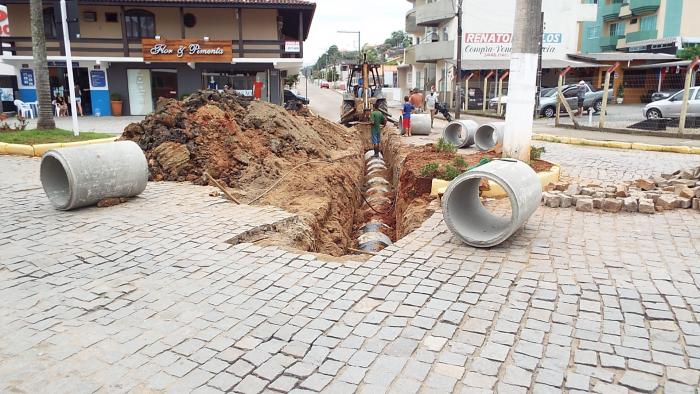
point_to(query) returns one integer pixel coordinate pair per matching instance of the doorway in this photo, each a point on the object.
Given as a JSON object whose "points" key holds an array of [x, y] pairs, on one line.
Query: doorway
{"points": [[58, 80], [164, 84]]}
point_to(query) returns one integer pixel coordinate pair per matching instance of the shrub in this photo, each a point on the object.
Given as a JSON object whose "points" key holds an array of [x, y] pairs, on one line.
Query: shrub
{"points": [[459, 162], [429, 170], [445, 146], [450, 173], [115, 97], [536, 152]]}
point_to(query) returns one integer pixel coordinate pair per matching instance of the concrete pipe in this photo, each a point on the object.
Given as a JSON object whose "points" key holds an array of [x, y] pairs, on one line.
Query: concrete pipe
{"points": [[460, 133], [81, 176], [489, 135], [469, 220], [420, 124]]}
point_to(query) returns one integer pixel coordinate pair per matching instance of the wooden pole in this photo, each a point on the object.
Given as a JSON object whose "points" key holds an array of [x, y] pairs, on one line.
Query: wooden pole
{"points": [[606, 87], [686, 94]]}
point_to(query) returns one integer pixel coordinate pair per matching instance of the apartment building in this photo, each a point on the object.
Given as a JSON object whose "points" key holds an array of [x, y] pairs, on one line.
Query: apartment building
{"points": [[658, 26], [486, 41], [146, 49]]}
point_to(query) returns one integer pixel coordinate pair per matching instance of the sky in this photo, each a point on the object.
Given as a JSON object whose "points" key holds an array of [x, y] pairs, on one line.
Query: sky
{"points": [[376, 19]]}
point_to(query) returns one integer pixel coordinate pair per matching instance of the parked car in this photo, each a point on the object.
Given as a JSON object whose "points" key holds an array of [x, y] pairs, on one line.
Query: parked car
{"points": [[325, 85], [664, 94], [493, 103], [475, 98], [291, 96], [548, 100], [671, 107]]}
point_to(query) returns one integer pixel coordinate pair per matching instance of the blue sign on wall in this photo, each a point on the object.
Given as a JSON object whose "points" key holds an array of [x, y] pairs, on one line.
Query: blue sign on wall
{"points": [[27, 77], [98, 79]]}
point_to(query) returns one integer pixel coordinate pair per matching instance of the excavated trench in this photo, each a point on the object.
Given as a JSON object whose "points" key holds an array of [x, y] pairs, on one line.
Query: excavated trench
{"points": [[366, 208]]}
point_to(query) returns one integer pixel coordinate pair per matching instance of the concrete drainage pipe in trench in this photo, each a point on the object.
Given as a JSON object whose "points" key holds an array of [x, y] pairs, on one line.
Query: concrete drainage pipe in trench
{"points": [[467, 217], [460, 133], [489, 135], [80, 176]]}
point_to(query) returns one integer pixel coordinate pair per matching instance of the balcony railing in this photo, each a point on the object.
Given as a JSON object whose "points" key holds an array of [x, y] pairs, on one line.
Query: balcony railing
{"points": [[432, 14], [609, 43], [433, 51], [642, 35], [610, 12], [22, 46], [639, 7], [411, 26]]}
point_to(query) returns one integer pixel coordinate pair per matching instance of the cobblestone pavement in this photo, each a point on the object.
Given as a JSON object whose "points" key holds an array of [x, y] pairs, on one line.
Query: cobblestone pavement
{"points": [[147, 296]]}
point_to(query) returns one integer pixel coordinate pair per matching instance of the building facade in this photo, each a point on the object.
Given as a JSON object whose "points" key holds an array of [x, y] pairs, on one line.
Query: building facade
{"points": [[486, 41], [659, 26], [146, 49]]}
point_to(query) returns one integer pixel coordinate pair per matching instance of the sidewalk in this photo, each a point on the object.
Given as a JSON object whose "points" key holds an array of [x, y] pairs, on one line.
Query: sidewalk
{"points": [[103, 124]]}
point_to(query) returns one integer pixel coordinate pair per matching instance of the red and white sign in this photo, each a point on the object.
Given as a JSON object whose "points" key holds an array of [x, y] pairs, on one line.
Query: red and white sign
{"points": [[4, 21]]}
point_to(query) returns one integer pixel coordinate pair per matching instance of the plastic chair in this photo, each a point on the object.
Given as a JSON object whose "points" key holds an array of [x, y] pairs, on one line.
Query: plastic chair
{"points": [[24, 108], [56, 108]]}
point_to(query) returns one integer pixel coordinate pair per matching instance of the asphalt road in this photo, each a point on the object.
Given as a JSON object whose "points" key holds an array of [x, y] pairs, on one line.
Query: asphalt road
{"points": [[324, 102]]}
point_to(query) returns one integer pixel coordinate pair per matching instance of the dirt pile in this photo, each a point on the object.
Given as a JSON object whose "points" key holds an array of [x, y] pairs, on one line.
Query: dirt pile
{"points": [[243, 143], [248, 146]]}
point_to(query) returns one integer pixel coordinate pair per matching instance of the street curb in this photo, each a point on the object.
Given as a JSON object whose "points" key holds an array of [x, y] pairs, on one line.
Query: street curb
{"points": [[39, 149], [617, 144], [495, 190]]}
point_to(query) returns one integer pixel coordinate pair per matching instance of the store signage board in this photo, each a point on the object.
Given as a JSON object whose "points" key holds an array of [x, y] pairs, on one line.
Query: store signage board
{"points": [[98, 79], [4, 21], [292, 46], [186, 51]]}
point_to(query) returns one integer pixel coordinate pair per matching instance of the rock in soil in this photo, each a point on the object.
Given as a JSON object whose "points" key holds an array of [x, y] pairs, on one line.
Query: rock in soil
{"points": [[110, 202]]}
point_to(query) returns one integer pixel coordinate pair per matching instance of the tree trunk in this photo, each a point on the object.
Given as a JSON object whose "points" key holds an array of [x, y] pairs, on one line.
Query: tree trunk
{"points": [[41, 68], [522, 87]]}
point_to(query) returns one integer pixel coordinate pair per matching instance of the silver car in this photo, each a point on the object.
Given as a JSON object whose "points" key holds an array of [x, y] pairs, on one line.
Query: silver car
{"points": [[671, 107]]}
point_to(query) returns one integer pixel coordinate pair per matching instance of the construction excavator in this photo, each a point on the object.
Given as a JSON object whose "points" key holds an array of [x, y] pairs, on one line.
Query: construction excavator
{"points": [[363, 90]]}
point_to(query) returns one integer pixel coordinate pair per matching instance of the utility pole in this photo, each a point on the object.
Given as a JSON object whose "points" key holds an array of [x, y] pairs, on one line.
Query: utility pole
{"points": [[458, 76], [69, 66], [522, 87]]}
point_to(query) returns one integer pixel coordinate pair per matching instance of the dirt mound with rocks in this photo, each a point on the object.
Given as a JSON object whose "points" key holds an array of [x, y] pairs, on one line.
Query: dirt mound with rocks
{"points": [[249, 146], [243, 143]]}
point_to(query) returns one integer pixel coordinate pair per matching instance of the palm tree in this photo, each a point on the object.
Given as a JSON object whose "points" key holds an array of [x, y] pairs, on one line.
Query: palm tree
{"points": [[41, 68]]}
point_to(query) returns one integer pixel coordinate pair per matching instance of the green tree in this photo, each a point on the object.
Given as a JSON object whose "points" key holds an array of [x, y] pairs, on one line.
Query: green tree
{"points": [[690, 52], [41, 67], [398, 38]]}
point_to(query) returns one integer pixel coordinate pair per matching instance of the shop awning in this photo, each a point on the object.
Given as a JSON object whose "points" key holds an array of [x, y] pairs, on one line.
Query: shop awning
{"points": [[504, 64], [621, 57], [680, 63]]}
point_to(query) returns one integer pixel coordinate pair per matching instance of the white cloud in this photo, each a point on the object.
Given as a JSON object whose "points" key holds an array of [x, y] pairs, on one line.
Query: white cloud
{"points": [[375, 19]]}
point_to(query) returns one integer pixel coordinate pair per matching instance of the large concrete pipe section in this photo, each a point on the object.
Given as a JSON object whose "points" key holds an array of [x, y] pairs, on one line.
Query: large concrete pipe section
{"points": [[489, 135], [469, 220], [420, 124], [80, 176], [460, 133], [377, 202]]}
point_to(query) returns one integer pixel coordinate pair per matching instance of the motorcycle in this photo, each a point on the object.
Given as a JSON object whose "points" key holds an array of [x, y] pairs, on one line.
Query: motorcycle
{"points": [[441, 108]]}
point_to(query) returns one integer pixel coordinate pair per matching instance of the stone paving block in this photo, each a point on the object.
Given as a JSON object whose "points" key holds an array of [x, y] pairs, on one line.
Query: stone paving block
{"points": [[251, 384], [639, 381], [316, 382]]}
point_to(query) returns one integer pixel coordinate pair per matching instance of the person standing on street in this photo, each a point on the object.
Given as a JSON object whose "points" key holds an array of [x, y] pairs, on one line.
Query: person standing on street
{"points": [[581, 91], [378, 121], [78, 99], [430, 102], [408, 108], [416, 100]]}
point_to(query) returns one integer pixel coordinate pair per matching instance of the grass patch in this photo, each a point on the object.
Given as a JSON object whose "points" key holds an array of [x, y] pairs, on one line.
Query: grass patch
{"points": [[33, 137]]}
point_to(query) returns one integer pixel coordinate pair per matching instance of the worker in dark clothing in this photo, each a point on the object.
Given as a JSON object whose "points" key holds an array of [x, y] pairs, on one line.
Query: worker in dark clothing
{"points": [[378, 121]]}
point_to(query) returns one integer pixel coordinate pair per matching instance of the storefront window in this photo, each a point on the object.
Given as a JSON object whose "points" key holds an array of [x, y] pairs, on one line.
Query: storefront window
{"points": [[140, 24]]}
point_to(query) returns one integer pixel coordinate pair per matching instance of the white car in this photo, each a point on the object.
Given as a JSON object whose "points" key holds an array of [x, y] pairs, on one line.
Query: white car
{"points": [[671, 107]]}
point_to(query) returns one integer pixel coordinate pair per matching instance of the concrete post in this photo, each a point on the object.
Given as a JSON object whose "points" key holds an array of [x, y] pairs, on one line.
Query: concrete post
{"points": [[523, 80]]}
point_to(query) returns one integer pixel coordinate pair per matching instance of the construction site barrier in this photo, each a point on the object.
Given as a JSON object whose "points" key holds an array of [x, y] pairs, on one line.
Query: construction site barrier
{"points": [[489, 135], [80, 176], [467, 217], [460, 133]]}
